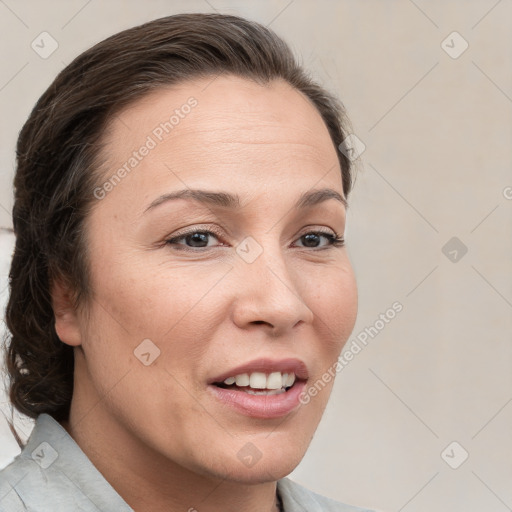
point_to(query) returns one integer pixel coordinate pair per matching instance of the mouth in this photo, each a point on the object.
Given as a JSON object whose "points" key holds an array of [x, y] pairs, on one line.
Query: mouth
{"points": [[259, 383], [263, 388]]}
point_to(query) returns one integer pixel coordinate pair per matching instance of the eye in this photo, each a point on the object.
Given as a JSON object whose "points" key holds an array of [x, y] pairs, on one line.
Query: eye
{"points": [[201, 238], [313, 239], [194, 239]]}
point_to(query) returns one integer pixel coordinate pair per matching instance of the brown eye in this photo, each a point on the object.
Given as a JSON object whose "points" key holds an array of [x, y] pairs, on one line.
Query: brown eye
{"points": [[314, 239], [193, 239]]}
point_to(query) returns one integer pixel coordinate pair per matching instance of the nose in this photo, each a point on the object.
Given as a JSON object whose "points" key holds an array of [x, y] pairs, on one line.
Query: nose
{"points": [[269, 293]]}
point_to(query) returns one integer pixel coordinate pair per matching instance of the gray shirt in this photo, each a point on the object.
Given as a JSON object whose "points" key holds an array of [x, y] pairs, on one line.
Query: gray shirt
{"points": [[52, 474]]}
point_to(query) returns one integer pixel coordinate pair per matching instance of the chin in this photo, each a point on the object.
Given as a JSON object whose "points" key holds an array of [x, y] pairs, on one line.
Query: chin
{"points": [[261, 472], [269, 463]]}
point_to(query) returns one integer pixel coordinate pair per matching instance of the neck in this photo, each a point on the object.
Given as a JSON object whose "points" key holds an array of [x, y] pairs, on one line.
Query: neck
{"points": [[146, 479]]}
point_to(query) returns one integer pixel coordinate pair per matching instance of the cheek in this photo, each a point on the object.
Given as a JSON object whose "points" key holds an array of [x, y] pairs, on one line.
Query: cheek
{"points": [[175, 307], [334, 303], [148, 295]]}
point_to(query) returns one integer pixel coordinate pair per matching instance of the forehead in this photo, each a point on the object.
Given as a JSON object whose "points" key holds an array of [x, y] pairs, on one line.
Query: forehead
{"points": [[221, 130]]}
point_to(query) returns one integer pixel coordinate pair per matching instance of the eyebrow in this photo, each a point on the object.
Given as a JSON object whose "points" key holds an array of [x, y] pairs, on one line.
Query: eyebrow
{"points": [[232, 201]]}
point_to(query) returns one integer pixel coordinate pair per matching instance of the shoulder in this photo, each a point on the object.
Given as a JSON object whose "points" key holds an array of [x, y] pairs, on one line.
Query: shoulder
{"points": [[29, 483], [52, 473], [297, 498], [10, 478]]}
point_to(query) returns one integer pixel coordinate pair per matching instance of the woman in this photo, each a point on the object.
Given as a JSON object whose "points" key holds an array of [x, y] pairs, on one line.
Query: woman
{"points": [[179, 282]]}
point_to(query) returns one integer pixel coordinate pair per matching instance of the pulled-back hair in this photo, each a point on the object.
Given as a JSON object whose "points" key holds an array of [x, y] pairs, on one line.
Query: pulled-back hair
{"points": [[58, 169]]}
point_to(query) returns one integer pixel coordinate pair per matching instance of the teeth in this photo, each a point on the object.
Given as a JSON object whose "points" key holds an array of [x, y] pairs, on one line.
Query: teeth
{"points": [[258, 380], [275, 381], [242, 380]]}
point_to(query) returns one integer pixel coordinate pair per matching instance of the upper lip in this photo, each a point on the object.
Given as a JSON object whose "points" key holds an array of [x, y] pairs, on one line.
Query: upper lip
{"points": [[266, 365]]}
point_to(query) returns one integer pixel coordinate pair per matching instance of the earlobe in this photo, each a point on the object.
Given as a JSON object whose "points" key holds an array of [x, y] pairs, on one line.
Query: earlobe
{"points": [[66, 318]]}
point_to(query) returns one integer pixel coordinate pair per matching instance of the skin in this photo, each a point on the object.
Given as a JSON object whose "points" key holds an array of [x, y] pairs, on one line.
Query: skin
{"points": [[155, 432]]}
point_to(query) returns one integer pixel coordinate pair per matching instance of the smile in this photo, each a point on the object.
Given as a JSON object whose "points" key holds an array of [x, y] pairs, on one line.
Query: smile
{"points": [[263, 388], [271, 384]]}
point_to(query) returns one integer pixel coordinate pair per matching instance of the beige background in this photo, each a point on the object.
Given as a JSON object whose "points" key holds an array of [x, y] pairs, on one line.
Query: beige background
{"points": [[437, 165]]}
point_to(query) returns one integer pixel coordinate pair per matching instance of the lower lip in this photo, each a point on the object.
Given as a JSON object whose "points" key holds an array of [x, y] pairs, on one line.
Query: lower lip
{"points": [[260, 406]]}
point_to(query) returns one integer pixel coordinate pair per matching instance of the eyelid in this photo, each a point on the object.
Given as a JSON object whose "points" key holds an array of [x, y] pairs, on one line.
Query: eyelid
{"points": [[197, 228], [313, 228]]}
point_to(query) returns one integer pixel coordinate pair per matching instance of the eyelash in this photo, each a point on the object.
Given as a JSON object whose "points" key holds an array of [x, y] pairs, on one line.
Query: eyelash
{"points": [[335, 240]]}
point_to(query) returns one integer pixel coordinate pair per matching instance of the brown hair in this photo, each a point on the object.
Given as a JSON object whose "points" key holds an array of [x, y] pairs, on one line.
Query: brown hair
{"points": [[57, 169]]}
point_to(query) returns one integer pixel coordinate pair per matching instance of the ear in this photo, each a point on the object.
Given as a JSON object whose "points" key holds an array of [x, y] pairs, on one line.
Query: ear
{"points": [[67, 324]]}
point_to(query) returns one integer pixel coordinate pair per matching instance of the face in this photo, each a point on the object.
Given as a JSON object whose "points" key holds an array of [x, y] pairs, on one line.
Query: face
{"points": [[193, 292]]}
